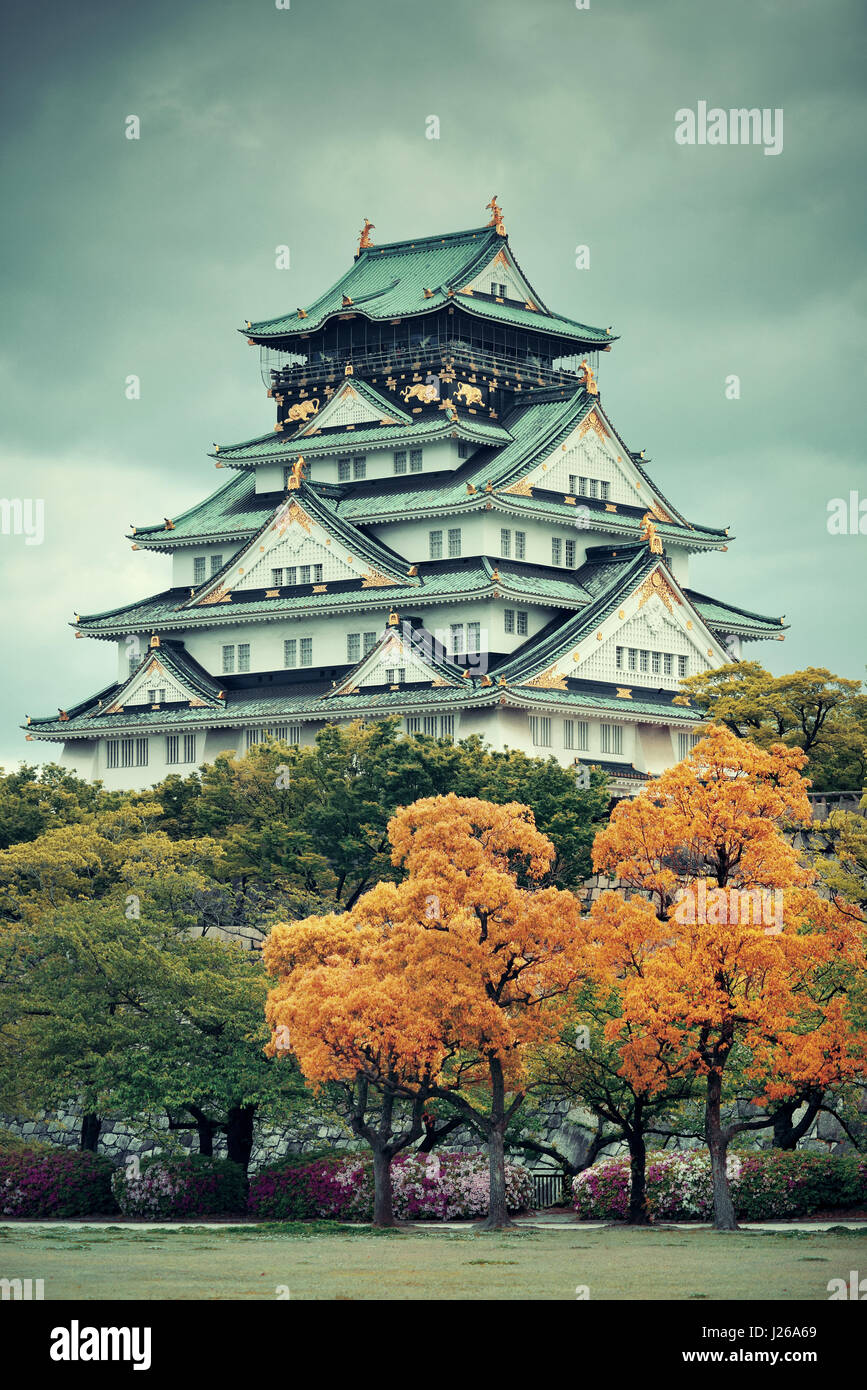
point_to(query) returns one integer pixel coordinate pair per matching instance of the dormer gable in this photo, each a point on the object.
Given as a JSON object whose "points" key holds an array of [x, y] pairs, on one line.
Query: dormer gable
{"points": [[166, 675], [406, 654], [354, 403], [501, 280]]}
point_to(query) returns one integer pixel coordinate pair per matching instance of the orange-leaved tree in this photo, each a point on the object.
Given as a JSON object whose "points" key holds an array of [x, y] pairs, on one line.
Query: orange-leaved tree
{"points": [[739, 959], [344, 1007], [495, 958]]}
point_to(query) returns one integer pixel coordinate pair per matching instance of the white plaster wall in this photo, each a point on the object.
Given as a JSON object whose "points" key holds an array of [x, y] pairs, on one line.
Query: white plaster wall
{"points": [[437, 457]]}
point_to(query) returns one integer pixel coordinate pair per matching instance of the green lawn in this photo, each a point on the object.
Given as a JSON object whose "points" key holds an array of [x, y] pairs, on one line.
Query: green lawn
{"points": [[335, 1263]]}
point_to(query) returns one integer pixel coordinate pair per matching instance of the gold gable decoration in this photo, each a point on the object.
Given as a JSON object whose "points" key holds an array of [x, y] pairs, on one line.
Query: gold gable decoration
{"points": [[657, 584], [374, 580], [552, 679], [292, 515], [220, 595], [520, 488], [592, 422]]}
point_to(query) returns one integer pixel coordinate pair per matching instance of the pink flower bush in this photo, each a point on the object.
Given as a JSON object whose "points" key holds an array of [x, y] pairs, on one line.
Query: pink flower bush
{"points": [[181, 1187], [54, 1182], [765, 1184], [437, 1187]]}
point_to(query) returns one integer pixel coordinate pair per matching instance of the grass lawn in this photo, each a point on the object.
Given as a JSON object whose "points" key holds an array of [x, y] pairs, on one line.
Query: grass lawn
{"points": [[327, 1262]]}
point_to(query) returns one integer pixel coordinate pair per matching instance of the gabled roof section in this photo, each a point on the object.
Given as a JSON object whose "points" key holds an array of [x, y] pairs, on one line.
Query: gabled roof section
{"points": [[278, 446], [404, 646], [402, 279], [304, 530], [354, 403], [725, 617], [235, 510]]}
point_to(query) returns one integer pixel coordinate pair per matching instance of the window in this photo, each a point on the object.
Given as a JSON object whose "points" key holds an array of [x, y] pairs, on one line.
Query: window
{"points": [[474, 637], [200, 569], [582, 735], [141, 752], [436, 544], [457, 639], [359, 467], [685, 744], [395, 675], [290, 647], [454, 542], [174, 748], [133, 662], [310, 574], [540, 731], [189, 748], [216, 564], [400, 461], [520, 544], [369, 642], [306, 651], [290, 575], [570, 555], [644, 660], [172, 742], [667, 663], [568, 733], [344, 470], [589, 487], [522, 624], [505, 544], [304, 574], [681, 665], [605, 491], [412, 723], [353, 646], [127, 750], [498, 290], [152, 697], [415, 461], [244, 656], [612, 738], [464, 449], [619, 657], [228, 660], [556, 551], [655, 660], [509, 619], [447, 726], [633, 658], [430, 725], [112, 753], [276, 579]]}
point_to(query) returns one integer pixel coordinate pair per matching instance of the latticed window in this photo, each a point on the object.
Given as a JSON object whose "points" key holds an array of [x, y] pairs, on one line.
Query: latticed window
{"points": [[509, 619], [520, 545], [611, 738], [353, 646], [216, 564], [454, 542], [228, 660], [290, 650], [244, 656], [505, 544], [474, 638], [290, 575], [436, 544], [457, 639], [369, 642], [682, 663], [306, 651], [540, 731], [400, 461], [522, 623], [344, 470], [200, 569], [415, 461], [276, 579], [570, 555], [359, 467], [556, 551]]}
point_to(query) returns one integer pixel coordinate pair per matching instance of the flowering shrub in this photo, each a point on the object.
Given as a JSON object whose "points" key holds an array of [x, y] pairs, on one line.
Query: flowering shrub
{"points": [[181, 1187], [54, 1182], [424, 1186], [764, 1184]]}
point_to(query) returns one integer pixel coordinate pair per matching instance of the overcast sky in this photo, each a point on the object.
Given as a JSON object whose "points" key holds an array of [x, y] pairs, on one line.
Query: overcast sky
{"points": [[263, 126]]}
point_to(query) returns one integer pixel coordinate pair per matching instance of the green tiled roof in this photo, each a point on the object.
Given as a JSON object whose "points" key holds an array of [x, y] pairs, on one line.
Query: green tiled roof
{"points": [[719, 615], [233, 511], [590, 695], [389, 281], [279, 445]]}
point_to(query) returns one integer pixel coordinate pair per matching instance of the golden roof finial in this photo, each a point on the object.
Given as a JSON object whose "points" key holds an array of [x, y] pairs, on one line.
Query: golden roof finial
{"points": [[364, 237], [393, 619], [496, 216], [588, 378], [648, 533]]}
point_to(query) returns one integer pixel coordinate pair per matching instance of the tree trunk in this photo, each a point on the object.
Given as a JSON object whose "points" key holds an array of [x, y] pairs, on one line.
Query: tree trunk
{"points": [[383, 1211], [206, 1137], [239, 1134], [91, 1125], [717, 1143], [498, 1216], [639, 1214]]}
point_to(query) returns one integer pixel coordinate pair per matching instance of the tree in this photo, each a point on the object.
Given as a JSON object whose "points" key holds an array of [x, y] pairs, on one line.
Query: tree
{"points": [[823, 714], [734, 949], [346, 1008]]}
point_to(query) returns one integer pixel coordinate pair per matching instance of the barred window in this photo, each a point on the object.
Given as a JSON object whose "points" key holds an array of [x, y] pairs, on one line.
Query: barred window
{"points": [[412, 723], [454, 542], [200, 569], [127, 752], [172, 746], [353, 646], [447, 726], [244, 656], [228, 660], [290, 647], [306, 651], [141, 752], [522, 624], [611, 738], [189, 748], [568, 733], [436, 544], [112, 753], [520, 544], [509, 619], [685, 744], [415, 461], [540, 731], [400, 461]]}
